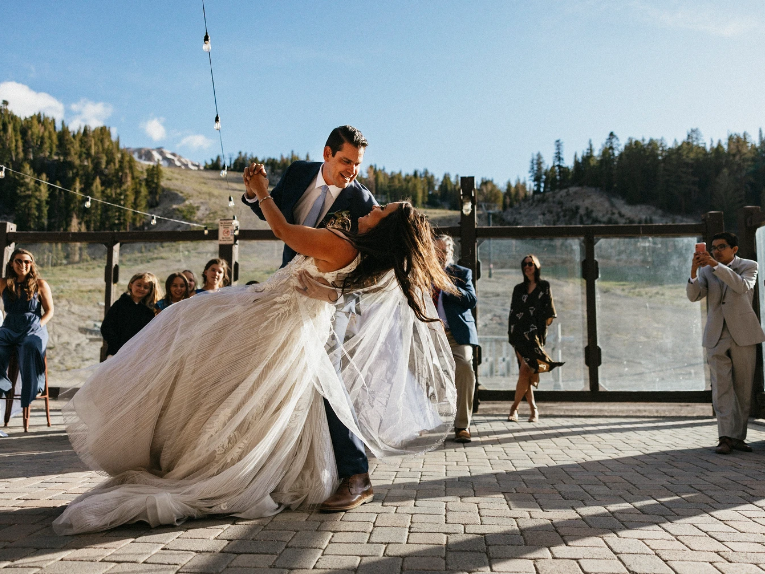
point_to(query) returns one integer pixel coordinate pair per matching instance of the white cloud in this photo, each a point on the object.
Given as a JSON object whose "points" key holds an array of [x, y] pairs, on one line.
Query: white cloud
{"points": [[24, 101], [93, 114], [692, 16], [196, 142], [154, 129]]}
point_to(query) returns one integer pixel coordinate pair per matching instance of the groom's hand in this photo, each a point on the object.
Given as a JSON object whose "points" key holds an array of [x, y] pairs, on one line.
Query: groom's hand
{"points": [[316, 288], [255, 181]]}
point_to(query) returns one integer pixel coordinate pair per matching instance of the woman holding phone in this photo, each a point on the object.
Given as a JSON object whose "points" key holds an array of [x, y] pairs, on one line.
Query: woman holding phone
{"points": [[531, 312]]}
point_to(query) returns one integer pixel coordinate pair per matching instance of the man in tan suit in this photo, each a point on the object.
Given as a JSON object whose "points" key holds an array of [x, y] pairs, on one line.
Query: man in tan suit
{"points": [[730, 336]]}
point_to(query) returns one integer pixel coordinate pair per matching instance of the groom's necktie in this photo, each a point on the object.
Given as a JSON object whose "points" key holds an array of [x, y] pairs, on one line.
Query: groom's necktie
{"points": [[313, 216]]}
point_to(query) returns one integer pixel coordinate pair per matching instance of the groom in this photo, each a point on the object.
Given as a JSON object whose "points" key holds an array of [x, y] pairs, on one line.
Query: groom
{"points": [[307, 193]]}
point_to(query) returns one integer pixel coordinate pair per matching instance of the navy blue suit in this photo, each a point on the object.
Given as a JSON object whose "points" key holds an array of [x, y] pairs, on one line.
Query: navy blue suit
{"points": [[355, 198], [349, 450], [457, 307]]}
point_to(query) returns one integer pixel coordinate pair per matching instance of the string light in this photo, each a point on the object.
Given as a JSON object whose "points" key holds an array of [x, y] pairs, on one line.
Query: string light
{"points": [[207, 47], [234, 218], [91, 199], [87, 203], [2, 173], [206, 231], [231, 201]]}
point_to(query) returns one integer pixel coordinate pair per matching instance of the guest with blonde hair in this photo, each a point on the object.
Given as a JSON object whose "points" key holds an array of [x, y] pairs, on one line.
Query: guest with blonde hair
{"points": [[131, 313]]}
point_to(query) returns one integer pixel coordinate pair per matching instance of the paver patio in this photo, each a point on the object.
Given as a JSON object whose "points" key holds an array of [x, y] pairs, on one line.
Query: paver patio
{"points": [[568, 494]]}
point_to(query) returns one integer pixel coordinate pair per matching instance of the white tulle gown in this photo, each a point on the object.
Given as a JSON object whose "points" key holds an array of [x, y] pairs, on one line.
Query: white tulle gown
{"points": [[216, 406]]}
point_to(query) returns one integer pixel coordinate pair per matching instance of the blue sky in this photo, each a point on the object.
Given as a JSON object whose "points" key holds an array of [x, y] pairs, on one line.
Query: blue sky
{"points": [[473, 88]]}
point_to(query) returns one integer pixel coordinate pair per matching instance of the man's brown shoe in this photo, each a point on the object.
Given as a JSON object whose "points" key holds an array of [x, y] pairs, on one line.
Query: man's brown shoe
{"points": [[724, 446], [739, 444], [352, 492], [462, 435]]}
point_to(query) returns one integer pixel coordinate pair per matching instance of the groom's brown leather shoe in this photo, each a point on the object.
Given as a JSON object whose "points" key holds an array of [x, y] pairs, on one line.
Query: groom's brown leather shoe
{"points": [[352, 492]]}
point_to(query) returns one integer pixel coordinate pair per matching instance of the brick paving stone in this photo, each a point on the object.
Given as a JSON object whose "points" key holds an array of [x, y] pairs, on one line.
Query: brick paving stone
{"points": [[134, 552], [168, 557], [590, 566], [298, 558], [692, 567], [197, 545], [306, 539], [726, 568], [625, 546], [514, 565], [644, 564], [380, 565], [208, 563], [415, 550], [387, 534], [252, 561], [76, 568], [467, 561], [557, 567], [143, 569], [255, 546], [337, 563]]}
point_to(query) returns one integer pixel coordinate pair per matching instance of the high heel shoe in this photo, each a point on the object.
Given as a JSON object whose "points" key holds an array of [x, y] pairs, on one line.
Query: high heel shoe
{"points": [[513, 416], [534, 416]]}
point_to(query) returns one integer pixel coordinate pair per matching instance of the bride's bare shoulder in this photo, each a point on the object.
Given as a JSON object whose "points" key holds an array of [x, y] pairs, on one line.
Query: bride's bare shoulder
{"points": [[339, 252]]}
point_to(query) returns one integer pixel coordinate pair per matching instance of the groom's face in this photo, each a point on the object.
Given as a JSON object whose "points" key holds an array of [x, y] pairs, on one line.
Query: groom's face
{"points": [[343, 167]]}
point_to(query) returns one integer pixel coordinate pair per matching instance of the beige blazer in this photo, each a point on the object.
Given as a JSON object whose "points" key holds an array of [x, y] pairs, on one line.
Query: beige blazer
{"points": [[729, 292]]}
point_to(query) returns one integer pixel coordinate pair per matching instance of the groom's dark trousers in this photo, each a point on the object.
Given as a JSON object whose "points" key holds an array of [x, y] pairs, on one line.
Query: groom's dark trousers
{"points": [[358, 201]]}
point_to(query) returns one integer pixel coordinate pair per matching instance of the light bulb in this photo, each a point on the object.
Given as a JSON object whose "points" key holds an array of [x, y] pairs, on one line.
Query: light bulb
{"points": [[231, 201], [467, 206], [224, 171], [234, 217], [217, 122], [205, 230], [87, 203], [2, 172], [206, 46], [154, 220]]}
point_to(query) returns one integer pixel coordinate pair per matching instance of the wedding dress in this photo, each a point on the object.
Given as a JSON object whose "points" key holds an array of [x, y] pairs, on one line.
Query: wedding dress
{"points": [[216, 406]]}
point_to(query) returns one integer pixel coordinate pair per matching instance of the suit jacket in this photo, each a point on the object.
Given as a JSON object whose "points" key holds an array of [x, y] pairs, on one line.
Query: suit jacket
{"points": [[729, 292], [356, 199], [457, 307]]}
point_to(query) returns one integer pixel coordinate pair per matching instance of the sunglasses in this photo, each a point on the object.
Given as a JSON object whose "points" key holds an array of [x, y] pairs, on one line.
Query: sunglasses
{"points": [[528, 264]]}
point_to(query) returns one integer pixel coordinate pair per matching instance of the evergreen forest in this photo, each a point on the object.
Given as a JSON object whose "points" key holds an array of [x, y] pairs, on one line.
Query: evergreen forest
{"points": [[88, 160]]}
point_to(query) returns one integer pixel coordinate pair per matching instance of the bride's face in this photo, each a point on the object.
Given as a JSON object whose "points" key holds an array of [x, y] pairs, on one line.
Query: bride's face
{"points": [[375, 216]]}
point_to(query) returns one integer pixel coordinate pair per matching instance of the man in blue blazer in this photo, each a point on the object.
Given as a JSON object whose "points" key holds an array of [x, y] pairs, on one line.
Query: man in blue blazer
{"points": [[455, 312], [308, 193], [319, 188]]}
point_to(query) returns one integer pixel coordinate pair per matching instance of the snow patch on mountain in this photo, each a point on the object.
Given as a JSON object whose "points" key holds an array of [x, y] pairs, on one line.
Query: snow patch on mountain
{"points": [[163, 157]]}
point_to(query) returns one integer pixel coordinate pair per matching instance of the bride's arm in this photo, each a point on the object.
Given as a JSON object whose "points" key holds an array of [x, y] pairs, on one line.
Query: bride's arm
{"points": [[320, 244]]}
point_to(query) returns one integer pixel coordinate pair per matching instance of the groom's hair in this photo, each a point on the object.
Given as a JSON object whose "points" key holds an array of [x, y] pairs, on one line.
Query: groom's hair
{"points": [[345, 134]]}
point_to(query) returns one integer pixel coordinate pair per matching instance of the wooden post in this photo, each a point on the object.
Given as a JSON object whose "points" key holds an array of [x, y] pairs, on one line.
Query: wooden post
{"points": [[111, 278], [469, 257], [590, 273], [468, 221], [228, 246], [6, 245], [715, 223]]}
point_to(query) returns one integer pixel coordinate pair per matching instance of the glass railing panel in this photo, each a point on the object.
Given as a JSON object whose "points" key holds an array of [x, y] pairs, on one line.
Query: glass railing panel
{"points": [[648, 331], [566, 339], [75, 272]]}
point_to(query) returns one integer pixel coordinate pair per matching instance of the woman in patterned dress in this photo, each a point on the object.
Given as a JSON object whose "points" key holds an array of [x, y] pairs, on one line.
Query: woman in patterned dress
{"points": [[531, 312]]}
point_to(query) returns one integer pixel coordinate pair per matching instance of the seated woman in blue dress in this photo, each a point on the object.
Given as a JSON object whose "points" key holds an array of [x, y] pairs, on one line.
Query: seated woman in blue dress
{"points": [[28, 307]]}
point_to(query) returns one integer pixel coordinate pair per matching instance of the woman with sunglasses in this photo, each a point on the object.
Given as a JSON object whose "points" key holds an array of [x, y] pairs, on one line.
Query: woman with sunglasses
{"points": [[531, 312], [28, 307]]}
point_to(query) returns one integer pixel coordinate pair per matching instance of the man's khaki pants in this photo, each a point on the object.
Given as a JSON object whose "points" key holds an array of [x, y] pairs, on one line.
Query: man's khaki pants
{"points": [[464, 380], [732, 372]]}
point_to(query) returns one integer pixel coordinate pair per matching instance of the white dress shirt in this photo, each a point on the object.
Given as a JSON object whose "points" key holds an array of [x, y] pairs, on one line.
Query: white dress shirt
{"points": [[312, 192]]}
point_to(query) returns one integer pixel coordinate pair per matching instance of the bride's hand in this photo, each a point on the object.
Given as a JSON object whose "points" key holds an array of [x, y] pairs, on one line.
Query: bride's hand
{"points": [[316, 288], [256, 180]]}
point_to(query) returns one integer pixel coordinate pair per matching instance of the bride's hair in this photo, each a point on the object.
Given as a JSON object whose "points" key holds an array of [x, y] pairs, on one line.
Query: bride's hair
{"points": [[402, 241]]}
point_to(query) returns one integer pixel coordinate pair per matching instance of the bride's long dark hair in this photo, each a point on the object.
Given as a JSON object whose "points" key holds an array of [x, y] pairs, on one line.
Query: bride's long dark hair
{"points": [[402, 241]]}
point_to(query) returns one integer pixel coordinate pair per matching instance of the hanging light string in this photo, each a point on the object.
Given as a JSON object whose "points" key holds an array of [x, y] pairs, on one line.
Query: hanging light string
{"points": [[90, 199], [207, 47]]}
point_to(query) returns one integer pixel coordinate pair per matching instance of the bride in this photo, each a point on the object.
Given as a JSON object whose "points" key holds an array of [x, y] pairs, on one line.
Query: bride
{"points": [[216, 407]]}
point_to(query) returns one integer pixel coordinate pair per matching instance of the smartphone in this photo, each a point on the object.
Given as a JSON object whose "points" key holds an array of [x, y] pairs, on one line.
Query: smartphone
{"points": [[701, 247]]}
